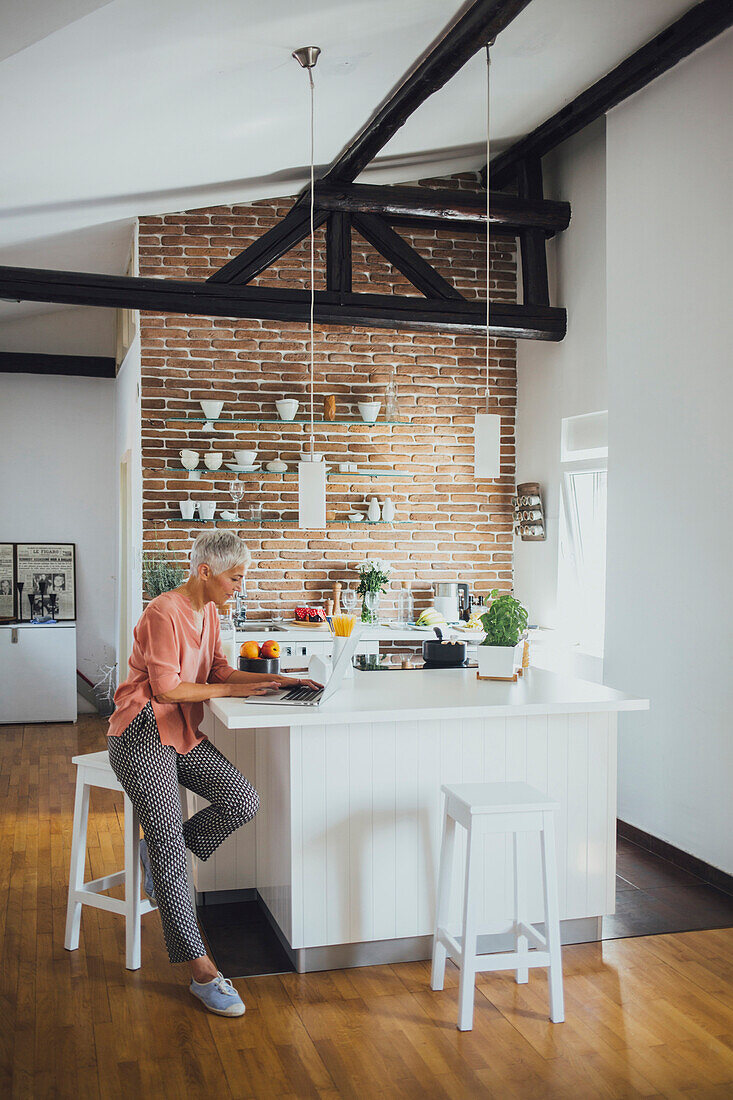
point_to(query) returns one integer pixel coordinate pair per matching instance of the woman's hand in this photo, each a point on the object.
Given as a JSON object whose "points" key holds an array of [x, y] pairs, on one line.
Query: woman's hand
{"points": [[261, 687], [293, 681]]}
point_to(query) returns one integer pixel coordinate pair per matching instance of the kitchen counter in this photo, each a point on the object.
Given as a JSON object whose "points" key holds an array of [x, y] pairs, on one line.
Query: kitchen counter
{"points": [[343, 853], [291, 632], [433, 694]]}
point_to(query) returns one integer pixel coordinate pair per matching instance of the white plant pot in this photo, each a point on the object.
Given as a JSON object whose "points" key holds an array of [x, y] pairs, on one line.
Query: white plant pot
{"points": [[499, 662]]}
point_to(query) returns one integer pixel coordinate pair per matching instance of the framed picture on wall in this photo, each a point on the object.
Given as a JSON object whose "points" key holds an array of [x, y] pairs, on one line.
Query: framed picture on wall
{"points": [[47, 569], [7, 582]]}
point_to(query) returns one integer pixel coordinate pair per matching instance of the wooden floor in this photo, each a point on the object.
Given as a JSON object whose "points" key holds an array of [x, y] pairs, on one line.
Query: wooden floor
{"points": [[645, 1017]]}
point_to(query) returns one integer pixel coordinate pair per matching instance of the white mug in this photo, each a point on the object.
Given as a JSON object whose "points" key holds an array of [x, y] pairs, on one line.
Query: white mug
{"points": [[207, 508], [187, 508], [211, 409], [287, 408], [189, 459], [369, 411], [213, 460]]}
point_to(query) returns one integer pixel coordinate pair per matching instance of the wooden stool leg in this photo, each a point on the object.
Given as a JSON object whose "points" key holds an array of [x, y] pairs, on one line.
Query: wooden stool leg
{"points": [[442, 906], [78, 860], [470, 929], [132, 887], [552, 919], [521, 944]]}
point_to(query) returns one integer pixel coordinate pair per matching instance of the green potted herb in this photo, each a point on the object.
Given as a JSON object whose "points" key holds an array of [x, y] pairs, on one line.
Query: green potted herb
{"points": [[161, 574], [501, 650]]}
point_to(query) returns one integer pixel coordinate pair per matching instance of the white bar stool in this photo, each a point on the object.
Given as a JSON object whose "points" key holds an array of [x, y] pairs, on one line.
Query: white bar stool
{"points": [[497, 808], [95, 770]]}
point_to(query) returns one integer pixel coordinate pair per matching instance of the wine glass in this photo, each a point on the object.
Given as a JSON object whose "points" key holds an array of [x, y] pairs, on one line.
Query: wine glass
{"points": [[371, 602], [348, 599], [236, 492]]}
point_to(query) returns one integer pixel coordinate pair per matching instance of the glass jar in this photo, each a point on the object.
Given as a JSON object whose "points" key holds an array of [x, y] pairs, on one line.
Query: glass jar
{"points": [[228, 638]]}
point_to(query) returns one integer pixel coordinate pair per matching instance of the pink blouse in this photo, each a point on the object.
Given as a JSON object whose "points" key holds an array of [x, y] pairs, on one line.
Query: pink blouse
{"points": [[169, 648]]}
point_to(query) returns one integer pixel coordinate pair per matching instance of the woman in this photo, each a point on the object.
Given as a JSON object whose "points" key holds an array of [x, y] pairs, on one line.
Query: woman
{"points": [[154, 744]]}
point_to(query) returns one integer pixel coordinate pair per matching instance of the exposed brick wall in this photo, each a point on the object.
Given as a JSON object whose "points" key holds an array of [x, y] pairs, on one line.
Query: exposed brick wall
{"points": [[456, 528]]}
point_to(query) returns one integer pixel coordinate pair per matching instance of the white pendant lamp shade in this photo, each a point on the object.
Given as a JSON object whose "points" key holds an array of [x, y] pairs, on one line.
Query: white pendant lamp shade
{"points": [[487, 426], [487, 445], [311, 475], [311, 494]]}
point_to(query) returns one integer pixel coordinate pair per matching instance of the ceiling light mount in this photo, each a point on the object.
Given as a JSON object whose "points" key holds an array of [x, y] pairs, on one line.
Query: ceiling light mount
{"points": [[307, 56]]}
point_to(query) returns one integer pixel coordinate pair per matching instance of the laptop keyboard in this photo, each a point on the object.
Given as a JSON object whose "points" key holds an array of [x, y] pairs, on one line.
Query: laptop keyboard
{"points": [[303, 694]]}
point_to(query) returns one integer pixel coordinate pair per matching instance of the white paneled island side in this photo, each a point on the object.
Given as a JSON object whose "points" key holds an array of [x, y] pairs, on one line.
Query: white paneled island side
{"points": [[343, 853]]}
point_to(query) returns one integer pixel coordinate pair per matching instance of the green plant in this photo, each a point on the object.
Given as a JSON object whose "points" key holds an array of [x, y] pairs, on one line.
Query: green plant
{"points": [[160, 574], [505, 620]]}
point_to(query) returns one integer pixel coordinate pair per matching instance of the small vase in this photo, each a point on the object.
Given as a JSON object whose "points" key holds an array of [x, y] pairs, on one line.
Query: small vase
{"points": [[388, 510], [370, 607], [374, 513]]}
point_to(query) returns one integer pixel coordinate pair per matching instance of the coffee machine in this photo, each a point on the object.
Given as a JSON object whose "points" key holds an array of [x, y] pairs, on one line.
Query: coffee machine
{"points": [[451, 599]]}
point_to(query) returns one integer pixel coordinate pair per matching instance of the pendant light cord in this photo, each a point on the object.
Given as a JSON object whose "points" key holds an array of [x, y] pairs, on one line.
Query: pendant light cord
{"points": [[313, 263], [488, 213]]}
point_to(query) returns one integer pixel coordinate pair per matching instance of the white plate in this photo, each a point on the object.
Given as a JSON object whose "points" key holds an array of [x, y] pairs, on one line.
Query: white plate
{"points": [[242, 469]]}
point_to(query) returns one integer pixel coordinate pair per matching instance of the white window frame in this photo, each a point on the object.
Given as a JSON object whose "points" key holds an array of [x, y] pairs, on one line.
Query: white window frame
{"points": [[597, 464]]}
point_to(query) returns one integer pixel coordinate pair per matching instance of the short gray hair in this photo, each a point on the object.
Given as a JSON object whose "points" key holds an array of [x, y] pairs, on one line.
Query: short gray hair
{"points": [[220, 550]]}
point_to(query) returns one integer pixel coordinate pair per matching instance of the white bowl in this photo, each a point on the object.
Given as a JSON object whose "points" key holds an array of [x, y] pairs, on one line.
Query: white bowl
{"points": [[245, 458], [212, 409], [287, 408], [369, 411], [213, 460], [308, 456]]}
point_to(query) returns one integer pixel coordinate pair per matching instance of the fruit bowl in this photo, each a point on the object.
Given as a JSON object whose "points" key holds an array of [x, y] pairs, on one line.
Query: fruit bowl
{"points": [[259, 664]]}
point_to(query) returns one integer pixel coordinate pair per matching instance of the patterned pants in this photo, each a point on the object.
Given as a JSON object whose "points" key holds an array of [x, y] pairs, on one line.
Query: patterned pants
{"points": [[150, 774]]}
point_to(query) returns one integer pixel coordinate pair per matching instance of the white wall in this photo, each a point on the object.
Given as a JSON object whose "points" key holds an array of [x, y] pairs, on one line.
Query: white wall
{"points": [[60, 330], [57, 484], [127, 447], [654, 208], [670, 523], [568, 378]]}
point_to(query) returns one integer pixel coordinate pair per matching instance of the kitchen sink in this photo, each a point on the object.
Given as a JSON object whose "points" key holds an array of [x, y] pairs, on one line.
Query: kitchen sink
{"points": [[260, 627]]}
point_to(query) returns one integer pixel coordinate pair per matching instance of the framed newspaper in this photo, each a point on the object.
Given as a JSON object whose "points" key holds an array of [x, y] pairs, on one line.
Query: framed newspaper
{"points": [[7, 582], [51, 566]]}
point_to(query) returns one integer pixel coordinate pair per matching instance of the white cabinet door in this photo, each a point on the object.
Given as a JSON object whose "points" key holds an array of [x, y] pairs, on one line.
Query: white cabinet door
{"points": [[37, 674]]}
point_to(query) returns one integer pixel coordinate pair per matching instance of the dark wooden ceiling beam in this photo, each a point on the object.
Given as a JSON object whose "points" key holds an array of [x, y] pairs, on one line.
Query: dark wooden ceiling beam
{"points": [[84, 366], [268, 248], [404, 257], [535, 284], [435, 205], [702, 23], [266, 303], [338, 252], [482, 22]]}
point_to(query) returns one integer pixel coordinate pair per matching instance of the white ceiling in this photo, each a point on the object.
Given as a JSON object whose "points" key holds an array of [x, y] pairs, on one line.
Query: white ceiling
{"points": [[114, 109]]}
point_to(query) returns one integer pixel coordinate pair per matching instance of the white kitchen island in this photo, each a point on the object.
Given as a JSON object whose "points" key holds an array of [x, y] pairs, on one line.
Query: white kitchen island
{"points": [[343, 853]]}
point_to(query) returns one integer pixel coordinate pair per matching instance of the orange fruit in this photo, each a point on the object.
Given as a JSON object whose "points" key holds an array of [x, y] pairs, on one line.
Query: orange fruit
{"points": [[249, 649], [270, 650]]}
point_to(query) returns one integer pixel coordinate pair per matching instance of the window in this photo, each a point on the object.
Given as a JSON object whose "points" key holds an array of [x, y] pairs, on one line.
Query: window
{"points": [[581, 585]]}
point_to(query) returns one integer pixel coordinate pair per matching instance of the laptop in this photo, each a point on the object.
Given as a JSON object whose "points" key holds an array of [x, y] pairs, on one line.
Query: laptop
{"points": [[298, 696]]}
